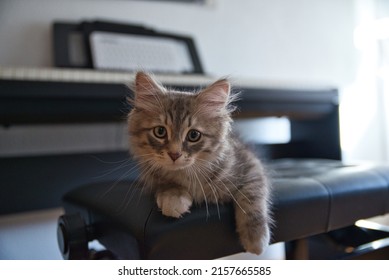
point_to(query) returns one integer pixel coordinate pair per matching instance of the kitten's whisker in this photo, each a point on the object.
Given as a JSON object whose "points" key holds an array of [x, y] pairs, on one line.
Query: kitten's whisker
{"points": [[226, 177], [228, 189], [193, 181], [143, 155], [122, 165], [127, 173], [212, 187], [228, 192], [108, 162], [153, 168], [202, 189], [132, 189]]}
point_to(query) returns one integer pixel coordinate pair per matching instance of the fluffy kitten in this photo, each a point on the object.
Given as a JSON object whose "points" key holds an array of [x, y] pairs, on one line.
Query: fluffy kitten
{"points": [[187, 152]]}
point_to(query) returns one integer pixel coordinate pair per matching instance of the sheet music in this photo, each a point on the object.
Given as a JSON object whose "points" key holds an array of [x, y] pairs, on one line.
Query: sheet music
{"points": [[133, 52]]}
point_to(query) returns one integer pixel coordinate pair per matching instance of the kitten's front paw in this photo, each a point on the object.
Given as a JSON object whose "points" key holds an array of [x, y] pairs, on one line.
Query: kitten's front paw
{"points": [[256, 244], [173, 205]]}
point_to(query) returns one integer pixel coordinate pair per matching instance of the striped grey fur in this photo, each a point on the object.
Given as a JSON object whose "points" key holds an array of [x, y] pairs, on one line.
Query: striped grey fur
{"points": [[187, 152]]}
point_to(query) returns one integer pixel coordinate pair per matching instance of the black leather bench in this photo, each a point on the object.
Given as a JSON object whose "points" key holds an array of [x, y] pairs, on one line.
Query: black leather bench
{"points": [[310, 197]]}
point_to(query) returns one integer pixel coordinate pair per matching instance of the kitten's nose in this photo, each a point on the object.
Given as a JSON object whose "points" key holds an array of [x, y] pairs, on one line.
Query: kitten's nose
{"points": [[174, 156]]}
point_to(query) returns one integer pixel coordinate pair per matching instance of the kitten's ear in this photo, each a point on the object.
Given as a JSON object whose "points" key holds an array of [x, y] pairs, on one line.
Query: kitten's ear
{"points": [[215, 98], [146, 91]]}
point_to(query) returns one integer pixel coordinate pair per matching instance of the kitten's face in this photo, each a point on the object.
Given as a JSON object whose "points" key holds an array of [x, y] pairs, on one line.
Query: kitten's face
{"points": [[175, 130]]}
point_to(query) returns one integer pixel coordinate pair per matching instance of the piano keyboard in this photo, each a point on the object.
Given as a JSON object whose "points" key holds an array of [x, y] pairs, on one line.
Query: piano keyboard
{"points": [[94, 76], [52, 87]]}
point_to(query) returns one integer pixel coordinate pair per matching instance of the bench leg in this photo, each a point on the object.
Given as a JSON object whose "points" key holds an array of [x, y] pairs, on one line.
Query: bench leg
{"points": [[297, 249]]}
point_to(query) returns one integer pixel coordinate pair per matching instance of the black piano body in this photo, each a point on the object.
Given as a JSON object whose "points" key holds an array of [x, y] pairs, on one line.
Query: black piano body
{"points": [[59, 96]]}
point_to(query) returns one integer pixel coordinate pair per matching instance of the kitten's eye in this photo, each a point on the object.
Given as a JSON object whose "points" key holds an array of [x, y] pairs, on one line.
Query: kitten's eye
{"points": [[160, 132], [193, 135]]}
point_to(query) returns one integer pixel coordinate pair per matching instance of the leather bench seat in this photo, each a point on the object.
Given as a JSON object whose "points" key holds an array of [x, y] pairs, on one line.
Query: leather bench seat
{"points": [[316, 196], [309, 197]]}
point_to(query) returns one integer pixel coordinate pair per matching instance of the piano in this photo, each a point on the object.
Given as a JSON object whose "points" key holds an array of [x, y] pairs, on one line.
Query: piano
{"points": [[316, 196], [56, 96]]}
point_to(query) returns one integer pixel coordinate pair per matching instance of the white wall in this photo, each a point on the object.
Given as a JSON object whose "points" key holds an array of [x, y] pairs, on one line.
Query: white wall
{"points": [[364, 117], [301, 40]]}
